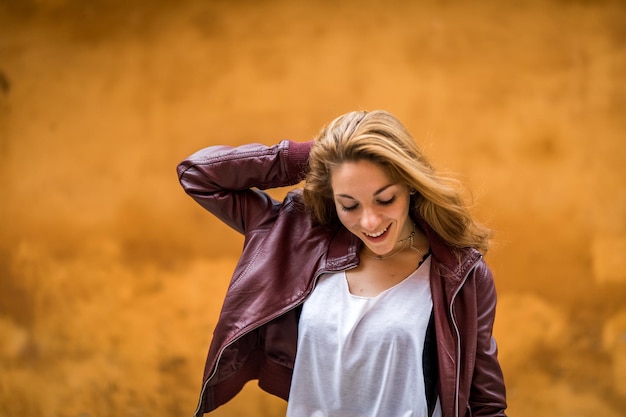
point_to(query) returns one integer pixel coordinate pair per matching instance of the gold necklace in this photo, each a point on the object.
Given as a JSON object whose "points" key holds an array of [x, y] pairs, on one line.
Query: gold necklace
{"points": [[409, 238]]}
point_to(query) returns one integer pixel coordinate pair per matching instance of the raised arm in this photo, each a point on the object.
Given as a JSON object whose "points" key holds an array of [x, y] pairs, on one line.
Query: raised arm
{"points": [[229, 181]]}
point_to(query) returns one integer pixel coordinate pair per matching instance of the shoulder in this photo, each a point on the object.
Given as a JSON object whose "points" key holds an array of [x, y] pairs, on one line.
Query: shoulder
{"points": [[479, 274], [484, 288], [293, 205], [481, 270], [466, 269], [292, 218]]}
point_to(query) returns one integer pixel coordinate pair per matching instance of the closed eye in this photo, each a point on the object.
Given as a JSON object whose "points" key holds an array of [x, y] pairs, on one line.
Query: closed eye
{"points": [[350, 208], [387, 202]]}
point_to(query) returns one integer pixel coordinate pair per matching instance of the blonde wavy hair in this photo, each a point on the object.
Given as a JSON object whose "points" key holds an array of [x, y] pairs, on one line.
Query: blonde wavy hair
{"points": [[380, 137]]}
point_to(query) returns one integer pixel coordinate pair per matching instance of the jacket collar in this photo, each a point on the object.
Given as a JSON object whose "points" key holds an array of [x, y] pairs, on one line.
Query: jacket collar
{"points": [[455, 262], [343, 251]]}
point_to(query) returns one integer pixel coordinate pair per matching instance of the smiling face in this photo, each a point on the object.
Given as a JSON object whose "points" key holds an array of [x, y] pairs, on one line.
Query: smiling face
{"points": [[371, 205]]}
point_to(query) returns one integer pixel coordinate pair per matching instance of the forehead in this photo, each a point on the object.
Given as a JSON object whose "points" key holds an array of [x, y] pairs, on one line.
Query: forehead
{"points": [[362, 175]]}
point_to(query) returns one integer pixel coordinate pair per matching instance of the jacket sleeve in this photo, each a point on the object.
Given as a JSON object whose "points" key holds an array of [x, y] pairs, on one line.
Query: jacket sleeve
{"points": [[488, 394], [229, 181]]}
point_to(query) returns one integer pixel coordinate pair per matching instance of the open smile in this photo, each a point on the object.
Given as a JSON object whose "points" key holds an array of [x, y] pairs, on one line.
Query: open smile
{"points": [[377, 234]]}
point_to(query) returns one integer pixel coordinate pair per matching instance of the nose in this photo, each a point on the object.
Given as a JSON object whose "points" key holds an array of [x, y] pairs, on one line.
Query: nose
{"points": [[370, 220]]}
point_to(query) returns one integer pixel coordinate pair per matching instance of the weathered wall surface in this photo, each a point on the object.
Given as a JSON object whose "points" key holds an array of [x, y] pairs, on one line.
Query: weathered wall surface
{"points": [[111, 278]]}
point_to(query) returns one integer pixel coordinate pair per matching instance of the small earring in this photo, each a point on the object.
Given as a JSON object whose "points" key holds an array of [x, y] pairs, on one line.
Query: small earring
{"points": [[412, 191]]}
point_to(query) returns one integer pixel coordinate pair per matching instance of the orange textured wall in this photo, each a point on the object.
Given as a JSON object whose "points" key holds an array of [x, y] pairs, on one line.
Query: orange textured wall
{"points": [[111, 278]]}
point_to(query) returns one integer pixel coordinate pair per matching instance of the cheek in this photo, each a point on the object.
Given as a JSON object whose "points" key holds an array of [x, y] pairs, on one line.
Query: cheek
{"points": [[402, 209], [403, 202]]}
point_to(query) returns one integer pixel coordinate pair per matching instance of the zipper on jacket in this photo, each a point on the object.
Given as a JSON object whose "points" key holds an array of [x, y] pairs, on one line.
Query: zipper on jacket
{"points": [[206, 383], [219, 356], [457, 384]]}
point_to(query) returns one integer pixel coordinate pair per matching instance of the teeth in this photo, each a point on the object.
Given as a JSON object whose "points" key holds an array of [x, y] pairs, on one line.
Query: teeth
{"points": [[379, 233]]}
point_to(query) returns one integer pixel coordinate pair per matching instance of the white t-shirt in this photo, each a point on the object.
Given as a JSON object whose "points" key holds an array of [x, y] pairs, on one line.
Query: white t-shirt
{"points": [[362, 356]]}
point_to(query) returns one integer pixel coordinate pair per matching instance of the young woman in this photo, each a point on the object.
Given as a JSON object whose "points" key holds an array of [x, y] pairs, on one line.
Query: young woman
{"points": [[365, 293]]}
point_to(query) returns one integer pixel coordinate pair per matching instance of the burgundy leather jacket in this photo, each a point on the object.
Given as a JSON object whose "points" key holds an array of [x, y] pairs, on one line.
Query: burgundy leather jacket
{"points": [[285, 252]]}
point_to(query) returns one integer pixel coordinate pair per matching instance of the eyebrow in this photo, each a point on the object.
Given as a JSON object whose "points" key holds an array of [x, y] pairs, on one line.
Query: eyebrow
{"points": [[380, 190]]}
